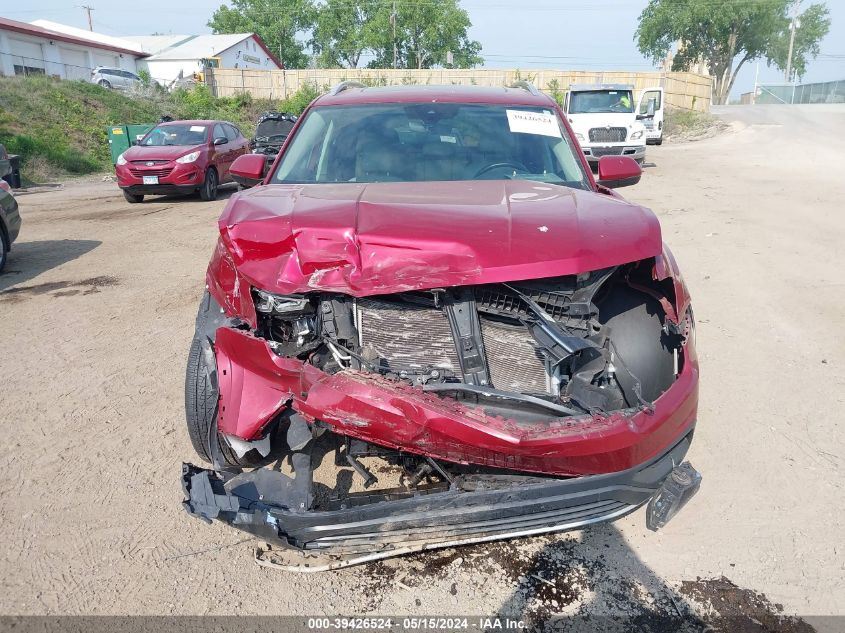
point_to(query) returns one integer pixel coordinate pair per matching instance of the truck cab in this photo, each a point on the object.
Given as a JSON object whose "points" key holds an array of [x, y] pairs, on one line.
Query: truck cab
{"points": [[607, 121]]}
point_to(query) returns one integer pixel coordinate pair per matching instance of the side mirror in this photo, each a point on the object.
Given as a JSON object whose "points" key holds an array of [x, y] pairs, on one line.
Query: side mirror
{"points": [[248, 169], [649, 113], [221, 140], [618, 171]]}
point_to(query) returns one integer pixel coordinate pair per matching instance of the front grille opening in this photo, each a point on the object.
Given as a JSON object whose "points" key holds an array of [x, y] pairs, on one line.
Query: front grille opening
{"points": [[608, 134]]}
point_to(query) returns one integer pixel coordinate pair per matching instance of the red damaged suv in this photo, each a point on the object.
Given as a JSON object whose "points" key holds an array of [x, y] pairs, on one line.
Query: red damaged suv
{"points": [[430, 285], [180, 157]]}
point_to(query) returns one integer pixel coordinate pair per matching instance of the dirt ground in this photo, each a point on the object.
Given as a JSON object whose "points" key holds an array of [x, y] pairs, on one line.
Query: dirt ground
{"points": [[98, 302]]}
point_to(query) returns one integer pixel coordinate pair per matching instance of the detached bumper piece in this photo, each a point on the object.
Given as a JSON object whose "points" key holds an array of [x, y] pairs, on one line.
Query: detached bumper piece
{"points": [[471, 509]]}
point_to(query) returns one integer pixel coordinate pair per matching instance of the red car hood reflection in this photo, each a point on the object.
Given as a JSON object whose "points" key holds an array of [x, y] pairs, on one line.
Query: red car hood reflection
{"points": [[365, 239]]}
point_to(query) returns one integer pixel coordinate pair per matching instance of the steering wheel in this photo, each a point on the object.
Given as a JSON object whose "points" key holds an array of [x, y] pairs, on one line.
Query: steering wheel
{"points": [[492, 166]]}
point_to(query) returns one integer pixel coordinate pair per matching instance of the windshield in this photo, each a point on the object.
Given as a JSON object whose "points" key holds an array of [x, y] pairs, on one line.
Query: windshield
{"points": [[179, 134], [421, 142], [585, 101]]}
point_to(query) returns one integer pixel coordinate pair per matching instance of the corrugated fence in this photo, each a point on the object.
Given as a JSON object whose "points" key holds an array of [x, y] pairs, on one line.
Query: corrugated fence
{"points": [[683, 90]]}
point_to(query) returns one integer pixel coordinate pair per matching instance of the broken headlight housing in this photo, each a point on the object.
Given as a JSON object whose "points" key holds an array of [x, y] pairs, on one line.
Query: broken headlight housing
{"points": [[269, 303], [288, 322]]}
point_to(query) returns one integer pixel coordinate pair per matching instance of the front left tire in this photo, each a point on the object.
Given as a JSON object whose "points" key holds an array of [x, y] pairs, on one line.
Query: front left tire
{"points": [[4, 251], [201, 396], [208, 191], [133, 198]]}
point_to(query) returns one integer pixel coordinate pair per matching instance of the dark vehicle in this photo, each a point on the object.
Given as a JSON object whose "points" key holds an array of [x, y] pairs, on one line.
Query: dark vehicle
{"points": [[180, 157], [10, 168], [5, 164], [10, 221], [270, 134], [431, 285]]}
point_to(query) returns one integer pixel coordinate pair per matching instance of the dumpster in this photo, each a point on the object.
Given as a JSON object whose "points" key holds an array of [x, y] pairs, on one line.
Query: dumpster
{"points": [[122, 137]]}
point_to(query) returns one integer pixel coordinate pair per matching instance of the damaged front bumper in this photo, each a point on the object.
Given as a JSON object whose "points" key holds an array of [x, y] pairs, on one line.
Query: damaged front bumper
{"points": [[471, 509]]}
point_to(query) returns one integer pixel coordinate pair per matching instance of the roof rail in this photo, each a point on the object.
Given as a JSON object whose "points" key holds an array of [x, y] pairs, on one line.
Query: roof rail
{"points": [[526, 85], [344, 85]]}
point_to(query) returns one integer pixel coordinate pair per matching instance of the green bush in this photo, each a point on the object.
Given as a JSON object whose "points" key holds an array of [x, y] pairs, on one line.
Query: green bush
{"points": [[60, 126]]}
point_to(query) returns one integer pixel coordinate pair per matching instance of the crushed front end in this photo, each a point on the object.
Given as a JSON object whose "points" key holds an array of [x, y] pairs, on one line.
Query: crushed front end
{"points": [[463, 413]]}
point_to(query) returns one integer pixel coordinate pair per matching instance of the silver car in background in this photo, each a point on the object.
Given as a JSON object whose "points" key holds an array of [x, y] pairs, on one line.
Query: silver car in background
{"points": [[115, 78]]}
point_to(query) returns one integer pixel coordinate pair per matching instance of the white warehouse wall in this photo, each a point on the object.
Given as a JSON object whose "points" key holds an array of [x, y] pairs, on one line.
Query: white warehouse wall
{"points": [[61, 59], [246, 55]]}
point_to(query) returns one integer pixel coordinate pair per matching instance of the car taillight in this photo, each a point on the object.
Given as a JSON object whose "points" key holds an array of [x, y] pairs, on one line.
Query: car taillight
{"points": [[5, 186]]}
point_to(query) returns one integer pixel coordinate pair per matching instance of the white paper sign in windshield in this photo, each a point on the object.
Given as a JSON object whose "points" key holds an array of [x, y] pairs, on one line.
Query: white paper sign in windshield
{"points": [[542, 123]]}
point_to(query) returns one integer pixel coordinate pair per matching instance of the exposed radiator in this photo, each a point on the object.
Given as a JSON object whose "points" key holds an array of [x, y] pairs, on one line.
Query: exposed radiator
{"points": [[514, 362], [407, 336], [418, 338]]}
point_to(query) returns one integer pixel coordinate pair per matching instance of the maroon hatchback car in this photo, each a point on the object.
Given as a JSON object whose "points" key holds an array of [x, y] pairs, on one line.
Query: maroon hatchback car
{"points": [[180, 157], [430, 285]]}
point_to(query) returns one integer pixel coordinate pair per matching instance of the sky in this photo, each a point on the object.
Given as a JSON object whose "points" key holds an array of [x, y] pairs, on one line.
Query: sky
{"points": [[529, 34]]}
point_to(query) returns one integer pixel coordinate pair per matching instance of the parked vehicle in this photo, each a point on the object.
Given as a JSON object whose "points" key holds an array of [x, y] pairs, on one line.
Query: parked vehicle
{"points": [[116, 78], [606, 122], [10, 221], [270, 134], [431, 280], [5, 164], [180, 157]]}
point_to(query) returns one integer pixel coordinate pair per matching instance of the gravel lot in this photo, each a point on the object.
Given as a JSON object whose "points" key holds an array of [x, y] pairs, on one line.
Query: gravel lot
{"points": [[98, 303]]}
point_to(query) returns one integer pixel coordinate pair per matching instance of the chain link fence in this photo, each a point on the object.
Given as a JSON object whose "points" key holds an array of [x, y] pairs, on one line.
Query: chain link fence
{"points": [[827, 92]]}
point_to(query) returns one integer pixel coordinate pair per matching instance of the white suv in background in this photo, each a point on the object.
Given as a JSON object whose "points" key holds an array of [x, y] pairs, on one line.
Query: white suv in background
{"points": [[607, 122], [116, 78]]}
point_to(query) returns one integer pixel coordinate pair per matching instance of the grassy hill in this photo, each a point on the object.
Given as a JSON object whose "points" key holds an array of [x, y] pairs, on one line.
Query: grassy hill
{"points": [[59, 127]]}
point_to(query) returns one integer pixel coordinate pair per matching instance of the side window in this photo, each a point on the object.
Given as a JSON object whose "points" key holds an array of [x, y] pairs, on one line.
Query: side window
{"points": [[231, 132], [218, 132], [651, 95]]}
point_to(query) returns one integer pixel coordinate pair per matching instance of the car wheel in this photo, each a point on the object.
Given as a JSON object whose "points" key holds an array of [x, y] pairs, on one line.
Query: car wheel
{"points": [[201, 394], [134, 198], [103, 83], [3, 250], [208, 191]]}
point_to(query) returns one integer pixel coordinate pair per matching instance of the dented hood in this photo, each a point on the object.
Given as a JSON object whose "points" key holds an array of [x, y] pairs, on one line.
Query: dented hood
{"points": [[365, 239]]}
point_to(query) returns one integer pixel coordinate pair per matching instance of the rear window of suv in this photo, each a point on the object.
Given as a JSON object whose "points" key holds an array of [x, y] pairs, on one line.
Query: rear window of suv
{"points": [[421, 142]]}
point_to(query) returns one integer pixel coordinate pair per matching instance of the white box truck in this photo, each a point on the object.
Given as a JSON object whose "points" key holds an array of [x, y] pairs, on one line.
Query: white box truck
{"points": [[607, 122]]}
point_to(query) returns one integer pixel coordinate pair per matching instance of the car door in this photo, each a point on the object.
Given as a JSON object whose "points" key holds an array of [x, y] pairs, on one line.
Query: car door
{"points": [[117, 79], [131, 79], [222, 153], [651, 103], [239, 143]]}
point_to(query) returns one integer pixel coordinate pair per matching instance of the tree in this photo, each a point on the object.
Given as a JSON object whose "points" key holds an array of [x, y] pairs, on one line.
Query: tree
{"points": [[726, 34], [341, 34], [277, 22], [814, 24], [425, 33]]}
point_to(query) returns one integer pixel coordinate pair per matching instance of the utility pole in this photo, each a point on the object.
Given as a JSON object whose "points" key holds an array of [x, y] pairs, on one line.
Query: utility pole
{"points": [[792, 26], [393, 21], [88, 10]]}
